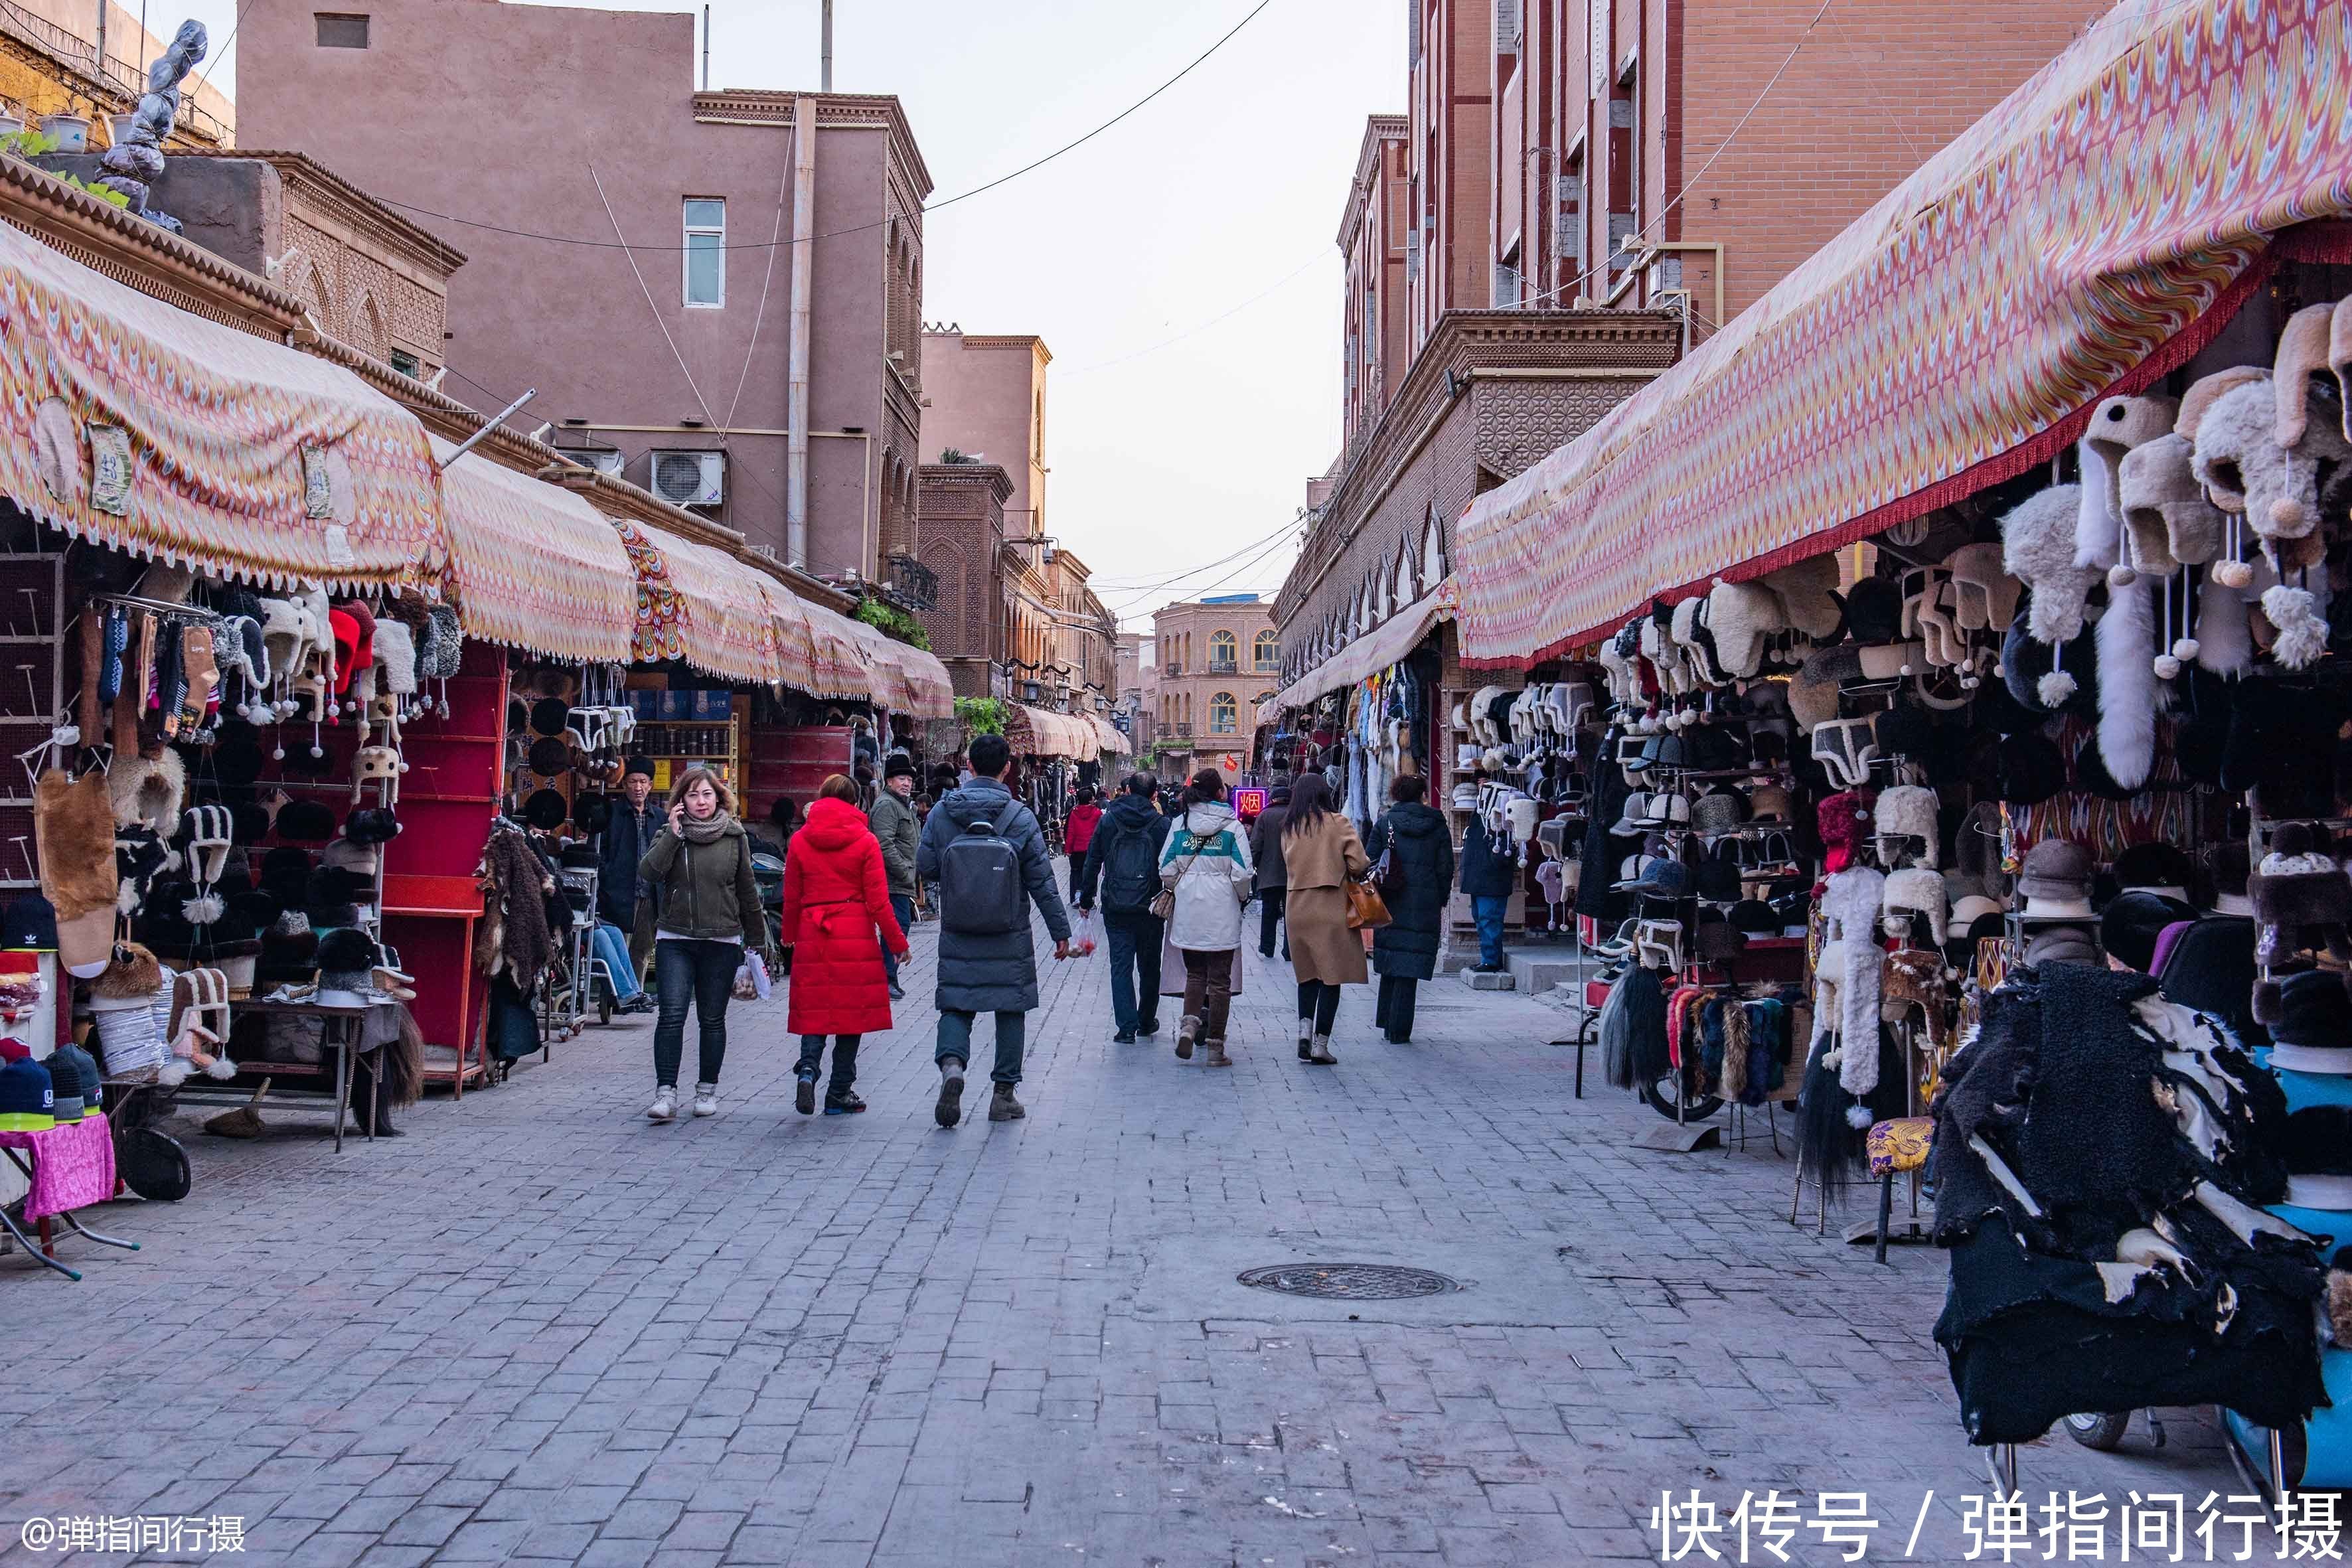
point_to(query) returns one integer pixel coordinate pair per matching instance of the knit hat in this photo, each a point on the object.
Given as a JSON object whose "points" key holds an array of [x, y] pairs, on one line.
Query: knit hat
{"points": [[65, 1088], [92, 1081], [28, 1096], [2313, 1029], [29, 922], [2056, 882]]}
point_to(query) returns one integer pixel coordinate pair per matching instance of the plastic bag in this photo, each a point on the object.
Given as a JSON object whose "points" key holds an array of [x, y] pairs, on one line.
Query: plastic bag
{"points": [[751, 982], [1082, 941]]}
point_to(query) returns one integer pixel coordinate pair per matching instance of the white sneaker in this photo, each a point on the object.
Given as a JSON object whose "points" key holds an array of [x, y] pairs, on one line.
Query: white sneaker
{"points": [[664, 1105], [706, 1099]]}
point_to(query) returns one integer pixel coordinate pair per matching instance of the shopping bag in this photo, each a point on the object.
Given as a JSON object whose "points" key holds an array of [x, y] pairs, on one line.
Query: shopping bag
{"points": [[1367, 910], [751, 982], [1082, 941]]}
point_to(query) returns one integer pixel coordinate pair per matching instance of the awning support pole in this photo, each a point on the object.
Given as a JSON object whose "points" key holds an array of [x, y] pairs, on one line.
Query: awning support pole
{"points": [[471, 442]]}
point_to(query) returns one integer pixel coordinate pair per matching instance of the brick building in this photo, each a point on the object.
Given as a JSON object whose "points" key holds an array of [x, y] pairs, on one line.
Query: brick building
{"points": [[598, 134], [959, 530], [1218, 658]]}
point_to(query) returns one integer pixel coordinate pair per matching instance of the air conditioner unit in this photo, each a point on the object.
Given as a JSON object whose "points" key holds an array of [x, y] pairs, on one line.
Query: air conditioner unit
{"points": [[602, 460], [690, 478]]}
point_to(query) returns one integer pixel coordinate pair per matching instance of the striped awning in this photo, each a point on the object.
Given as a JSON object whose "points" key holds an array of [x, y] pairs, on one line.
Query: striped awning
{"points": [[1041, 733], [1956, 335], [839, 656], [795, 638], [1366, 657], [1108, 738], [533, 565], [929, 693], [230, 454], [697, 604]]}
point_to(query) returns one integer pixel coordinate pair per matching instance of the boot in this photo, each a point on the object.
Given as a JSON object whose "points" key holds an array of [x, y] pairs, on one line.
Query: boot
{"points": [[949, 1108], [1320, 1054], [1003, 1107], [1186, 1033], [1217, 1058], [1305, 1034]]}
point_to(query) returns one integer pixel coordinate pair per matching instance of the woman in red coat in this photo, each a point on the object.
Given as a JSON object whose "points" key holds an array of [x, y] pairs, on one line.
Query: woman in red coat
{"points": [[837, 898]]}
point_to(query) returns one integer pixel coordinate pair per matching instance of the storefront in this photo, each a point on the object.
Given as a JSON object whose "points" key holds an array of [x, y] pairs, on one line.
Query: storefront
{"points": [[1950, 645]]}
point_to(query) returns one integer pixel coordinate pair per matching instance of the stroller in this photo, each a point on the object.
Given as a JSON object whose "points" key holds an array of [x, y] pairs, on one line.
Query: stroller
{"points": [[768, 875]]}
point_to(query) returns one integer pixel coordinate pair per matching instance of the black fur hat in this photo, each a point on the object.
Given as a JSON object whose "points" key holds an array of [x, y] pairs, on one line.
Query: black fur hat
{"points": [[248, 823], [589, 812], [348, 950], [372, 825], [286, 873], [545, 809], [306, 822]]}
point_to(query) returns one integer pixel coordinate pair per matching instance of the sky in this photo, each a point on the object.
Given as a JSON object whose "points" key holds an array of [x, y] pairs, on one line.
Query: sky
{"points": [[1182, 266]]}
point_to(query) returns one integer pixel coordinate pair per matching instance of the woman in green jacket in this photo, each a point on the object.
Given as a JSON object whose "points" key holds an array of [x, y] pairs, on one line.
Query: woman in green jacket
{"points": [[706, 912]]}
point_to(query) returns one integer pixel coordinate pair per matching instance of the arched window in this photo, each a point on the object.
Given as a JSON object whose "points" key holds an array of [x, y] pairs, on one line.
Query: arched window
{"points": [[1224, 714], [1260, 700], [1267, 651], [1224, 650]]}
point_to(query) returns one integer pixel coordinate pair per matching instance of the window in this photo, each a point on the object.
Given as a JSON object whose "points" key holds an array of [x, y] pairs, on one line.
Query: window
{"points": [[341, 30], [706, 252], [407, 365], [1224, 714], [1224, 650], [1267, 654]]}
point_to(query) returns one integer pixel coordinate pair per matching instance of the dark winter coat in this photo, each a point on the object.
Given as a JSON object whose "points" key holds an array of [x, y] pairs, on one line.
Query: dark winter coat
{"points": [[992, 974], [705, 890], [627, 836], [1127, 814], [1265, 847], [1421, 851], [1488, 869], [896, 829], [837, 900]]}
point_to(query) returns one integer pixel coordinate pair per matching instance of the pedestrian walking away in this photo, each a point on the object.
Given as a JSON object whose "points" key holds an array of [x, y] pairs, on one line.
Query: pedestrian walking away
{"points": [[1122, 868], [1413, 843], [988, 856], [840, 921], [1265, 853], [1322, 855], [1205, 867], [899, 832], [1078, 833], [698, 877], [1489, 877], [628, 833]]}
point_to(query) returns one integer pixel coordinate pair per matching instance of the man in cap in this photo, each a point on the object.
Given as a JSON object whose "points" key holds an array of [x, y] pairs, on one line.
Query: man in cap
{"points": [[892, 817], [629, 833]]}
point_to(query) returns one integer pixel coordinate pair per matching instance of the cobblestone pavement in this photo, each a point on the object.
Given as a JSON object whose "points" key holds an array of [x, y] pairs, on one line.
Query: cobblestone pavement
{"points": [[539, 1327]]}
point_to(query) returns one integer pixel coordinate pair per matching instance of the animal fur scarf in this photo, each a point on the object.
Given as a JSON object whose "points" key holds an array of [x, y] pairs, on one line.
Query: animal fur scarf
{"points": [[1849, 1003], [73, 830], [1736, 1040], [513, 937], [2128, 697]]}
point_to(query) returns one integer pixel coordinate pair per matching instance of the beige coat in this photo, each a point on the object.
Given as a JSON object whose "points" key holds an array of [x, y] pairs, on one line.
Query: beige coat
{"points": [[1315, 908]]}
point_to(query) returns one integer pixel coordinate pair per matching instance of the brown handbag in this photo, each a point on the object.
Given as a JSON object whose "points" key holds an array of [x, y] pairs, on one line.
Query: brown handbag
{"points": [[1367, 910]]}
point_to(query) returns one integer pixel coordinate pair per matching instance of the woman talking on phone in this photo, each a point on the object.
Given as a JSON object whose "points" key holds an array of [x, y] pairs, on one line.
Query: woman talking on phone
{"points": [[705, 913]]}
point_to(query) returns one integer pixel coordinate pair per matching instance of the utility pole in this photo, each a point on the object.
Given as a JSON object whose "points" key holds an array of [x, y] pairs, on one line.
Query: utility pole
{"points": [[824, 75]]}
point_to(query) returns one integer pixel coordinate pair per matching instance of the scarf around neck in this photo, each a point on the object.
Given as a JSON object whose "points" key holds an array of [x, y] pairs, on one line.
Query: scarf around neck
{"points": [[718, 825]]}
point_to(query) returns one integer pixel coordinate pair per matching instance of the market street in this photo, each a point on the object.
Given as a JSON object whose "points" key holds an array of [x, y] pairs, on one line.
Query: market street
{"points": [[539, 1327]]}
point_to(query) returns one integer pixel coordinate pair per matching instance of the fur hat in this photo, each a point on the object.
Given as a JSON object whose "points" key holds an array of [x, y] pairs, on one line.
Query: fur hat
{"points": [[545, 809], [149, 792], [2118, 427], [1808, 594], [2061, 944], [2132, 921], [2166, 515], [2310, 1023], [2157, 867], [1874, 611], [1984, 595], [131, 973], [395, 656], [2056, 881], [1914, 890], [1907, 811], [2037, 548], [306, 822], [1813, 690], [348, 950], [2302, 354], [1834, 818], [2043, 680], [2282, 745], [2031, 770], [2245, 469], [442, 649], [372, 825], [1911, 978]]}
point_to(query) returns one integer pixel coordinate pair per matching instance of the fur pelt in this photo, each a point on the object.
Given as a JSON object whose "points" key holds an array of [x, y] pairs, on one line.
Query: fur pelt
{"points": [[1735, 1048], [2037, 539], [2302, 628], [73, 830], [1849, 1003], [2339, 1307], [2225, 638], [132, 973], [513, 936], [2128, 695], [2098, 518], [1917, 890], [149, 792], [1808, 591]]}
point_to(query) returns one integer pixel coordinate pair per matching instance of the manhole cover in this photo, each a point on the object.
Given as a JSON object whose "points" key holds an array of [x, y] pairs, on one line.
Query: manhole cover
{"points": [[1348, 1281]]}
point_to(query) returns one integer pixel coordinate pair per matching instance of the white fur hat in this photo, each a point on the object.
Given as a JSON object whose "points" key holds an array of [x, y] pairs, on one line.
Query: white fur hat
{"points": [[2242, 466], [1808, 591], [2118, 425], [395, 655], [2165, 510], [1742, 616], [1907, 810], [1914, 890], [2037, 548]]}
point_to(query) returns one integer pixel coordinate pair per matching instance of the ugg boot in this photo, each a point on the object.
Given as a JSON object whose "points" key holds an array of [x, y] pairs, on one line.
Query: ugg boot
{"points": [[1320, 1053], [1217, 1058], [1186, 1033], [1305, 1034]]}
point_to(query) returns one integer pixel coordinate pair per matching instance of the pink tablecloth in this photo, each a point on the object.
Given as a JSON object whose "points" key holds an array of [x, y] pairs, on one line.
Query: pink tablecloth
{"points": [[73, 1165]]}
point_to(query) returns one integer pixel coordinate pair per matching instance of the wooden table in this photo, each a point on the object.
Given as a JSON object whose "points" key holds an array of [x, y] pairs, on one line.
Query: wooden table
{"points": [[341, 1034]]}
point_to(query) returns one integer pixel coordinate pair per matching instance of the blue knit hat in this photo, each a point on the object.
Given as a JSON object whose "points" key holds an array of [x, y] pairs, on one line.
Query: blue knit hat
{"points": [[28, 1096]]}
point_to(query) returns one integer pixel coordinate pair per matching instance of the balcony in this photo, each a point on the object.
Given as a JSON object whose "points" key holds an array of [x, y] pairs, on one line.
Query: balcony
{"points": [[1223, 667], [1171, 668], [915, 583]]}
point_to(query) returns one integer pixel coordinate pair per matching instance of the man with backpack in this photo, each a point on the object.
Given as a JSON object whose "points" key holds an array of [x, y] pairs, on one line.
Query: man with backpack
{"points": [[988, 856], [1123, 864]]}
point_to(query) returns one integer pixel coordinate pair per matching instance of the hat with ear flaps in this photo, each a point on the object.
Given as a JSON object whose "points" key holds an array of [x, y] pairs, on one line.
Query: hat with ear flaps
{"points": [[2118, 427], [395, 656], [1984, 595], [2043, 680], [1813, 690], [2037, 540], [1808, 594], [1742, 616]]}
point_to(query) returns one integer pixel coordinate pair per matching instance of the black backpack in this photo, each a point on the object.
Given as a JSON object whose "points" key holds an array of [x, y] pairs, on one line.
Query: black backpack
{"points": [[982, 893], [1130, 871]]}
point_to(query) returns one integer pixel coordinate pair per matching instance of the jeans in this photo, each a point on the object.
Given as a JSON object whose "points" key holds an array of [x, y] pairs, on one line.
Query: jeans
{"points": [[1208, 989], [1489, 913], [903, 907], [607, 943], [701, 973], [845, 1064], [1394, 1009], [1078, 858], [1269, 915], [1134, 942], [1318, 1000], [955, 1040]]}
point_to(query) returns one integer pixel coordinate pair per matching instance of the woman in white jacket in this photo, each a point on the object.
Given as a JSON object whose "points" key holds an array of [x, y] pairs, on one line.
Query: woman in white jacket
{"points": [[1206, 864]]}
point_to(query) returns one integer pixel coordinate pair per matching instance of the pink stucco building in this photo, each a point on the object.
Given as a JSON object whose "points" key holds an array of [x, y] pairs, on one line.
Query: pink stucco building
{"points": [[675, 361]]}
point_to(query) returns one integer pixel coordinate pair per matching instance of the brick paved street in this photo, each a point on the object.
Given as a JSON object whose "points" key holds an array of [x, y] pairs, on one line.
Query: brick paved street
{"points": [[539, 1327]]}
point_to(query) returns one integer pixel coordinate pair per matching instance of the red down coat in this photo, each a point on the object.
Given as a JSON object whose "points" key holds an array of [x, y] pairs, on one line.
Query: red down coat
{"points": [[837, 898]]}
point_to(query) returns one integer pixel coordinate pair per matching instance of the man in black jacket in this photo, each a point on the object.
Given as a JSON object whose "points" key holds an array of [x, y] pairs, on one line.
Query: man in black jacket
{"points": [[1124, 861], [1265, 855], [629, 833]]}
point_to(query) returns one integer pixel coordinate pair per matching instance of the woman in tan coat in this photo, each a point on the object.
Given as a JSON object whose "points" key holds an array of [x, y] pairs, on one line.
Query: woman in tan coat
{"points": [[1321, 854]]}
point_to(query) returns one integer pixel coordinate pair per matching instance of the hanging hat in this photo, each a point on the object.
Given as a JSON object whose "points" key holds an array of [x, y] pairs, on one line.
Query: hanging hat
{"points": [[548, 716], [550, 757], [1630, 821], [2118, 426], [345, 629], [1808, 594], [29, 922], [1770, 803], [372, 825], [1720, 810], [2312, 1031], [1874, 611], [1904, 731], [1661, 879], [1813, 690], [395, 656], [306, 822], [206, 835], [236, 759], [2038, 550], [1984, 595], [545, 809], [2168, 520], [1907, 811], [1834, 818], [286, 873], [444, 647], [591, 813], [2056, 882]]}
